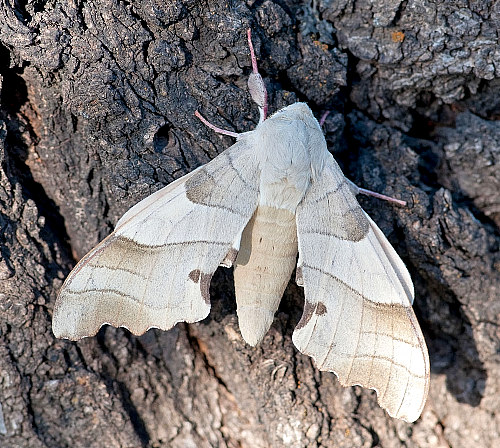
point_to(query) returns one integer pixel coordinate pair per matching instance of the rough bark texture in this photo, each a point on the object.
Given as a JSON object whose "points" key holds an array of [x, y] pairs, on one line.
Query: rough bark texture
{"points": [[97, 102]]}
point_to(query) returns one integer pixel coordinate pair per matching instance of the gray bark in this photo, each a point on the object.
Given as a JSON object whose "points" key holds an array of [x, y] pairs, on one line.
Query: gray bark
{"points": [[96, 112]]}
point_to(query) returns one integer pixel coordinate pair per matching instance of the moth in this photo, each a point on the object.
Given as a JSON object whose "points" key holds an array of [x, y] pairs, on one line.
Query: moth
{"points": [[275, 194]]}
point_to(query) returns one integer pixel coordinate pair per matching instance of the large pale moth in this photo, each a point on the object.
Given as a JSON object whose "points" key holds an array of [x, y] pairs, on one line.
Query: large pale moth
{"points": [[277, 192]]}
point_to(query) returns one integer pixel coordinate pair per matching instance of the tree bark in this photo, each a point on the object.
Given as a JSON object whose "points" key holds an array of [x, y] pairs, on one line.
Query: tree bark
{"points": [[96, 112]]}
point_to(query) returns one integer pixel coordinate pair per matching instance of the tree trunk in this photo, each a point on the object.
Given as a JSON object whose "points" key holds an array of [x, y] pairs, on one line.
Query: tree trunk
{"points": [[97, 103]]}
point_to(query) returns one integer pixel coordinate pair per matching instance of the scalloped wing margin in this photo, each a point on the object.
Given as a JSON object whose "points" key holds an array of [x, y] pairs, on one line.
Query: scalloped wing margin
{"points": [[155, 269], [358, 321]]}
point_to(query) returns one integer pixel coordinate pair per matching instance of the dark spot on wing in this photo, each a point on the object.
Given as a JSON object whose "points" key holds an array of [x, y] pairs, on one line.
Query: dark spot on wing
{"points": [[306, 315], [195, 275], [320, 309], [199, 187], [356, 224], [204, 279], [205, 287]]}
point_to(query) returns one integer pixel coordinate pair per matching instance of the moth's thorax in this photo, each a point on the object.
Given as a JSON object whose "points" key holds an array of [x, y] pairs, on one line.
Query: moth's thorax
{"points": [[291, 151]]}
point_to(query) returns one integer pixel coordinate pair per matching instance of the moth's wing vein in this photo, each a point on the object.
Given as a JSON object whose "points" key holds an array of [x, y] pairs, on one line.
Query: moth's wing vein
{"points": [[369, 334], [155, 269]]}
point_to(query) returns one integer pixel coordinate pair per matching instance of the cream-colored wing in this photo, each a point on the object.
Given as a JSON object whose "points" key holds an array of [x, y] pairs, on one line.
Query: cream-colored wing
{"points": [[154, 270], [358, 321]]}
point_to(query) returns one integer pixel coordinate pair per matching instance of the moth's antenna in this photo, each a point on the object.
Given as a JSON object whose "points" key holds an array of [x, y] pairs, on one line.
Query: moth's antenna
{"points": [[257, 90], [215, 128], [323, 118], [256, 84]]}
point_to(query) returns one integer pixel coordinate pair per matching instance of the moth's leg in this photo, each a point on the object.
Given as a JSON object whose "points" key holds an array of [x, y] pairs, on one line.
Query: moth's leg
{"points": [[215, 128], [382, 196], [356, 190], [256, 84]]}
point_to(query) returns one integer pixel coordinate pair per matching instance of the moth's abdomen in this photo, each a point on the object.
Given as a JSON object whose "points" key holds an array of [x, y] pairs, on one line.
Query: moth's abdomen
{"points": [[263, 267]]}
